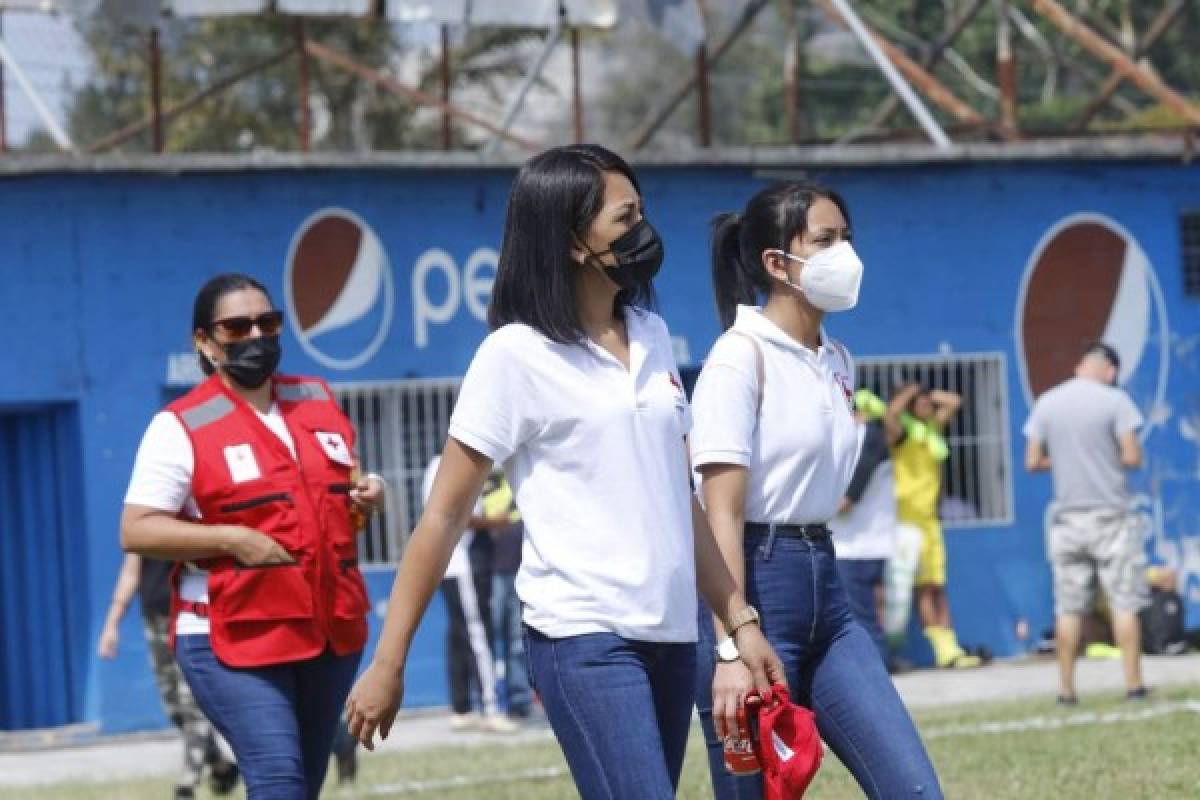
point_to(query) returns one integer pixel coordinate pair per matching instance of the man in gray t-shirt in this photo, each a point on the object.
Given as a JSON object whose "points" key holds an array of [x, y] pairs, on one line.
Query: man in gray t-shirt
{"points": [[1085, 432]]}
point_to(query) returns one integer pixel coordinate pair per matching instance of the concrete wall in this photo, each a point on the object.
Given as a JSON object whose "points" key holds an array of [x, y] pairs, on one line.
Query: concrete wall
{"points": [[100, 270]]}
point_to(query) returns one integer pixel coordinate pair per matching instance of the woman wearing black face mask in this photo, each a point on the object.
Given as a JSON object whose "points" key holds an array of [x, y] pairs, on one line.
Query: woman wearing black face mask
{"points": [[249, 481], [576, 393]]}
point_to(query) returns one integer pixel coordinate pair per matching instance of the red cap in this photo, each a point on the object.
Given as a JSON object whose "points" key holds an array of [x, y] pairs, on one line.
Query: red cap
{"points": [[790, 747]]}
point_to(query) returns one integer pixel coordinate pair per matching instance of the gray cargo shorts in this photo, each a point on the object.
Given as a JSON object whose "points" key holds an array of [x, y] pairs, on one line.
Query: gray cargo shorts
{"points": [[1102, 543]]}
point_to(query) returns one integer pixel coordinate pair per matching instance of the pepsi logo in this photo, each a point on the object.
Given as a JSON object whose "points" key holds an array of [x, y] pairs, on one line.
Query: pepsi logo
{"points": [[338, 286], [1088, 279]]}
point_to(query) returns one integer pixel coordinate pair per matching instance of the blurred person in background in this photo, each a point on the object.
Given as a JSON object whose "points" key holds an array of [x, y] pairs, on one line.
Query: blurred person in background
{"points": [[917, 459], [864, 530], [508, 640], [250, 482], [1085, 432], [150, 580], [470, 664]]}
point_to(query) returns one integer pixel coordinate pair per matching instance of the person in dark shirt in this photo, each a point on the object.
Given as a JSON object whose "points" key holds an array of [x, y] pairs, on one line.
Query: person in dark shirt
{"points": [[150, 579]]}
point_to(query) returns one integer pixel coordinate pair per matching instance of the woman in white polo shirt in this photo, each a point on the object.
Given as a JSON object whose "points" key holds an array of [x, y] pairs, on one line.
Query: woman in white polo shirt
{"points": [[775, 442], [576, 393]]}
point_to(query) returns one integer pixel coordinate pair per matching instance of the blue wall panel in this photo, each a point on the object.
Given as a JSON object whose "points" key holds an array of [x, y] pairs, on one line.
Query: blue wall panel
{"points": [[946, 248]]}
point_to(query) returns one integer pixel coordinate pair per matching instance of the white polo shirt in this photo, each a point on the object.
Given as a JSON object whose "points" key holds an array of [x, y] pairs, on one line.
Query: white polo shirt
{"points": [[801, 453], [597, 462]]}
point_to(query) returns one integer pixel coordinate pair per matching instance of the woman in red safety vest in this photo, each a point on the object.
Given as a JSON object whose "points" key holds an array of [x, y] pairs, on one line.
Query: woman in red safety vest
{"points": [[250, 482]]}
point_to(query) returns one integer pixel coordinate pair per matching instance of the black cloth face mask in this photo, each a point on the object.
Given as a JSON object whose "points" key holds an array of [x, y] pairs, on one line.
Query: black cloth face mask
{"points": [[251, 362], [638, 253]]}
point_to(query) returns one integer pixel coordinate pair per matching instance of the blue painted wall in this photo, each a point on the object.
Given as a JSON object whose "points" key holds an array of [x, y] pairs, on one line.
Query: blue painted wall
{"points": [[99, 272]]}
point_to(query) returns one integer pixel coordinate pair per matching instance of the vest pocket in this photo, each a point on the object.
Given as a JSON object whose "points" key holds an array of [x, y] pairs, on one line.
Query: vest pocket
{"points": [[270, 512], [263, 593], [350, 599]]}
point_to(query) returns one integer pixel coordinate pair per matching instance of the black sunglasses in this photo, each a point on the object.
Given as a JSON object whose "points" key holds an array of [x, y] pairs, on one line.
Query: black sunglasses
{"points": [[269, 323]]}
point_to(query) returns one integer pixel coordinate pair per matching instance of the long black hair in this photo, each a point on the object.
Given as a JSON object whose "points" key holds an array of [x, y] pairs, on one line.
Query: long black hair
{"points": [[555, 197], [771, 219], [210, 294]]}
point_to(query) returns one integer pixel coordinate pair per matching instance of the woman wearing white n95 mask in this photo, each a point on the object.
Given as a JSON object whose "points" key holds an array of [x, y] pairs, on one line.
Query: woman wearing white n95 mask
{"points": [[775, 443]]}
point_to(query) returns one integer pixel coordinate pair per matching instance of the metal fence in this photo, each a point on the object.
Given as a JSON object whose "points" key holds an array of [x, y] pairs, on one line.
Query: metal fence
{"points": [[401, 426], [977, 476]]}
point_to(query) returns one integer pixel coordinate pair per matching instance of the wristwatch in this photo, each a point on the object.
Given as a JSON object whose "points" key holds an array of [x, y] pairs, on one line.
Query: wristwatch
{"points": [[744, 617], [727, 651]]}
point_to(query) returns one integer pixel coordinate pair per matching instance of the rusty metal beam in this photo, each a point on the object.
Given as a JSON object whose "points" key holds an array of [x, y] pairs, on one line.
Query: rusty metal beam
{"points": [[1006, 69], [338, 59], [444, 74], [155, 63], [702, 96], [891, 105], [643, 134], [1112, 55], [929, 85], [169, 113], [3, 122], [576, 87], [303, 122], [1158, 26]]}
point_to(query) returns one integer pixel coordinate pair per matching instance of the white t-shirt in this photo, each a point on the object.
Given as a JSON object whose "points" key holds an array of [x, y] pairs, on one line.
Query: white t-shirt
{"points": [[162, 479], [596, 459], [801, 453], [460, 560], [868, 529]]}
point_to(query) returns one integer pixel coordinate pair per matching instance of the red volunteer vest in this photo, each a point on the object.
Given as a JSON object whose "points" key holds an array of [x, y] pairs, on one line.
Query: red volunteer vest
{"points": [[245, 475]]}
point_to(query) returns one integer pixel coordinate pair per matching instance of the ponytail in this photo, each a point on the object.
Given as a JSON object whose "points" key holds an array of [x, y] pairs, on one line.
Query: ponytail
{"points": [[735, 282]]}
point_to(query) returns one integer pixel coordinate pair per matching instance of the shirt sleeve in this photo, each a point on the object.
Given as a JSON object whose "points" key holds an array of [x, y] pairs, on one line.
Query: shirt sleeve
{"points": [[725, 405], [1035, 427], [1129, 418], [492, 415], [874, 452], [162, 470]]}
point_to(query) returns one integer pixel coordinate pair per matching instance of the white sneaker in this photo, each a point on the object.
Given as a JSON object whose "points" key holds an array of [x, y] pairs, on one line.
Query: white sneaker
{"points": [[464, 722], [498, 723]]}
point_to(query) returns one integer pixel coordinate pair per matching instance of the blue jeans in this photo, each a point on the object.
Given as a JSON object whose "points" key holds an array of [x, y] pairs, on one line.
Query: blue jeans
{"points": [[862, 579], [510, 642], [620, 710], [831, 666], [280, 720]]}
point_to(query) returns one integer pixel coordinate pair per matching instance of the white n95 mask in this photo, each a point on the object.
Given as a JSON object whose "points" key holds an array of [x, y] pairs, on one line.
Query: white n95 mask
{"points": [[831, 277]]}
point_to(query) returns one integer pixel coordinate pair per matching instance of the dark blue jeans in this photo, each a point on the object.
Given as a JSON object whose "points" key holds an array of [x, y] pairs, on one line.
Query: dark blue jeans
{"points": [[862, 578], [279, 720], [832, 667], [620, 710], [509, 645]]}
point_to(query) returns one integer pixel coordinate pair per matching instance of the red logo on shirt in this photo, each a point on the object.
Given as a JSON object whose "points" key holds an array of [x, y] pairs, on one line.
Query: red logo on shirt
{"points": [[844, 382], [674, 381]]}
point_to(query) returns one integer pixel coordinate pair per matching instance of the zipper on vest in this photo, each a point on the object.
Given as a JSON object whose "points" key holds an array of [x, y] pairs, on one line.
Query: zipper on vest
{"points": [[277, 497], [240, 566]]}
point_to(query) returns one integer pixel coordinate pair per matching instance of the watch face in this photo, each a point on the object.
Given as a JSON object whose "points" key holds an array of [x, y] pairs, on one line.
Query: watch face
{"points": [[727, 650]]}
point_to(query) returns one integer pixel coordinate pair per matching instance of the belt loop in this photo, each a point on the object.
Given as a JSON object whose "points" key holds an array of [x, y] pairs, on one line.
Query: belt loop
{"points": [[770, 542]]}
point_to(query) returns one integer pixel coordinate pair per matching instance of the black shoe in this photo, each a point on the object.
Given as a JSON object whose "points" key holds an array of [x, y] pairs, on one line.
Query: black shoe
{"points": [[184, 793], [1137, 695], [224, 778], [347, 765], [1067, 700]]}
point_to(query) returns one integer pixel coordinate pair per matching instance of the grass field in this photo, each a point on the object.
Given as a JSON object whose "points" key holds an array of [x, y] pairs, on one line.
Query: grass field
{"points": [[1105, 748]]}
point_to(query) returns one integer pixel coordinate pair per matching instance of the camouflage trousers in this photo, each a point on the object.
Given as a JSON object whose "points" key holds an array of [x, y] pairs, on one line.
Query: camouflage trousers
{"points": [[202, 745]]}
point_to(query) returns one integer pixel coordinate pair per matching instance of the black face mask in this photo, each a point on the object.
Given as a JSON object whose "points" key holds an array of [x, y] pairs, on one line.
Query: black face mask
{"points": [[639, 255], [251, 362]]}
